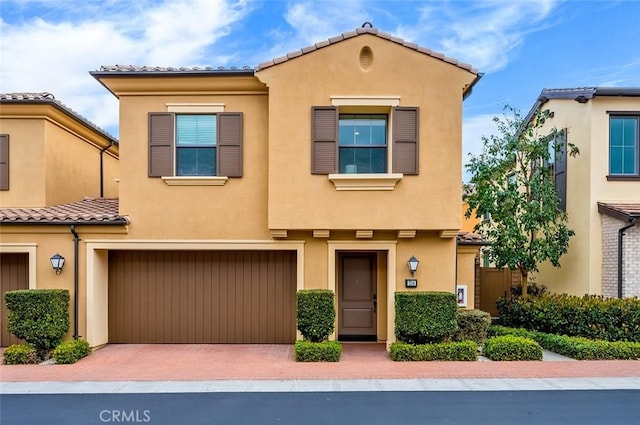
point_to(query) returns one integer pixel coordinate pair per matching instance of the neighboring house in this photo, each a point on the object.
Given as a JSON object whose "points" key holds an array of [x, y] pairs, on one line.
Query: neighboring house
{"points": [[599, 189], [327, 168], [49, 155]]}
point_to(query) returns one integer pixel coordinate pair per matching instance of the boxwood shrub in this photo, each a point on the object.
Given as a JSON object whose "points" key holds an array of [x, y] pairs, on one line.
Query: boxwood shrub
{"points": [[68, 352], [325, 351], [590, 316], [510, 347], [472, 326], [316, 313], [38, 316], [19, 354], [458, 351], [425, 317], [579, 348]]}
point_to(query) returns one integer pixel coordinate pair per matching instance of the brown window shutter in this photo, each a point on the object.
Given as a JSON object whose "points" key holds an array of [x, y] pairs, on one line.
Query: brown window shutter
{"points": [[324, 139], [229, 144], [405, 140], [4, 162], [161, 136], [560, 170]]}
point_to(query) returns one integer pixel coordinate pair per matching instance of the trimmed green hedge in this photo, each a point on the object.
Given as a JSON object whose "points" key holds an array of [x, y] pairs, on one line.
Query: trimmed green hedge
{"points": [[579, 348], [510, 347], [425, 317], [590, 316], [20, 354], [68, 352], [472, 326], [458, 351], [325, 351], [316, 314], [38, 316]]}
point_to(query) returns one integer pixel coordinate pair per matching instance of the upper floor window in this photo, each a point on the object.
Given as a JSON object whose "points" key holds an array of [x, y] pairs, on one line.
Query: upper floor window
{"points": [[195, 144], [362, 144], [624, 151], [196, 138], [358, 143]]}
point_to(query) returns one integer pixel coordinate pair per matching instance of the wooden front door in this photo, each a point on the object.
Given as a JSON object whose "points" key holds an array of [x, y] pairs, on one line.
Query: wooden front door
{"points": [[14, 276], [357, 296]]}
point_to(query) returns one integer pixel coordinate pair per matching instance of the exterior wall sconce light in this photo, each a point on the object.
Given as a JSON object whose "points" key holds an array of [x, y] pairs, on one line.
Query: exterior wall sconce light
{"points": [[413, 264], [57, 262]]}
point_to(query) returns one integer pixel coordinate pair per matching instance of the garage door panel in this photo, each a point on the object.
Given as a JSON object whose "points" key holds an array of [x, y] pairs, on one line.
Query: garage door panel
{"points": [[14, 276], [202, 297]]}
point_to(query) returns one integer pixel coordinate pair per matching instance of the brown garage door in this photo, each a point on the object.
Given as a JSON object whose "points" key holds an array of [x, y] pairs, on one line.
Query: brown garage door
{"points": [[202, 296], [14, 275]]}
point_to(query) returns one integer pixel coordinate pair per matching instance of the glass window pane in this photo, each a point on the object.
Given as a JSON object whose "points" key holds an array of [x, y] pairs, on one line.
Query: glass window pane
{"points": [[196, 129], [615, 160], [362, 130], [362, 160], [196, 161], [629, 160], [615, 131], [630, 131]]}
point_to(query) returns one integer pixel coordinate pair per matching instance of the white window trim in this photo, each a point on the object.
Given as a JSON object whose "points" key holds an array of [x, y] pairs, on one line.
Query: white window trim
{"points": [[365, 181], [195, 180], [195, 108]]}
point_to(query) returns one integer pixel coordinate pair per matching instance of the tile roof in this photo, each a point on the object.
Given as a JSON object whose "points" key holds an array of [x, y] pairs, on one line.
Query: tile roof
{"points": [[87, 211], [48, 98], [361, 31], [134, 69], [468, 238], [621, 210]]}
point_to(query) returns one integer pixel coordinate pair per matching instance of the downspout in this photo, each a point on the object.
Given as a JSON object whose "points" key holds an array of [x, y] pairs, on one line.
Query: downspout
{"points": [[76, 298], [620, 252], [102, 167]]}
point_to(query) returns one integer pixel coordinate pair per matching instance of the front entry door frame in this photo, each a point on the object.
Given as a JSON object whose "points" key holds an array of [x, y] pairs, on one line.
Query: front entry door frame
{"points": [[389, 247], [357, 291]]}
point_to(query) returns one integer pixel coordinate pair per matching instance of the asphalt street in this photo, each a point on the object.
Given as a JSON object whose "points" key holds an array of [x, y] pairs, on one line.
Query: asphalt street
{"points": [[584, 407]]}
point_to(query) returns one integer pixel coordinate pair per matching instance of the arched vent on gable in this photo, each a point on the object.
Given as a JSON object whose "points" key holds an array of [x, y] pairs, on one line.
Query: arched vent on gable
{"points": [[366, 58]]}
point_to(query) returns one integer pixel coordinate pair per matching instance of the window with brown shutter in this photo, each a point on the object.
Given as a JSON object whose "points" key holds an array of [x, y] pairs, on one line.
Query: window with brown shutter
{"points": [[324, 131], [405, 140], [4, 162], [195, 144]]}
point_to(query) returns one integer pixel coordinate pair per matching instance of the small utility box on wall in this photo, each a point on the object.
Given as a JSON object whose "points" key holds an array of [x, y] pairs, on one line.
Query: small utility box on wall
{"points": [[411, 283], [461, 295]]}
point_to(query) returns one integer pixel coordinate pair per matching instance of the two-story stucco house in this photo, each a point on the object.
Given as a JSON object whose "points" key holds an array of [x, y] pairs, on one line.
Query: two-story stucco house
{"points": [[56, 170], [328, 168], [599, 189]]}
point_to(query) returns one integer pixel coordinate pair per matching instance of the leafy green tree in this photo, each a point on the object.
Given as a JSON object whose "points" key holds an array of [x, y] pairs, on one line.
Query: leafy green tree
{"points": [[513, 183]]}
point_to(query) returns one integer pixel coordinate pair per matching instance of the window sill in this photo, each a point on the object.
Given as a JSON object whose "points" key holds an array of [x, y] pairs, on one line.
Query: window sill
{"points": [[195, 181], [622, 178], [365, 181]]}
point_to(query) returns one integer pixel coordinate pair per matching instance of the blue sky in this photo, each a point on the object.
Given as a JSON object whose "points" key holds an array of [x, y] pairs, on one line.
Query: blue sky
{"points": [[521, 46]]}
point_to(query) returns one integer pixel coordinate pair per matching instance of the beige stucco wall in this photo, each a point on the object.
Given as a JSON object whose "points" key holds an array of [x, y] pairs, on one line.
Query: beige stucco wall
{"points": [[26, 163], [430, 200], [588, 128], [236, 210], [54, 158]]}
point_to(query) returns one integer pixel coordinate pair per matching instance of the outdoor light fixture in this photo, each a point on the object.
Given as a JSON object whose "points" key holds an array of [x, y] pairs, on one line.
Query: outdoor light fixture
{"points": [[413, 264], [57, 262]]}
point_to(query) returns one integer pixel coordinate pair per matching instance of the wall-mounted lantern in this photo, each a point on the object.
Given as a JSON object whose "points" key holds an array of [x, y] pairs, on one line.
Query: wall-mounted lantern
{"points": [[57, 262], [413, 264]]}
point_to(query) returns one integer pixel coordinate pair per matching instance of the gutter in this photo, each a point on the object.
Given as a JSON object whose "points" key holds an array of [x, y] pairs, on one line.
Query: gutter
{"points": [[632, 222], [76, 298]]}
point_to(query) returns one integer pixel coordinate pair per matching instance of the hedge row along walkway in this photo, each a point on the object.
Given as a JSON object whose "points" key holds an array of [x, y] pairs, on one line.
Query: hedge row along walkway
{"points": [[275, 362]]}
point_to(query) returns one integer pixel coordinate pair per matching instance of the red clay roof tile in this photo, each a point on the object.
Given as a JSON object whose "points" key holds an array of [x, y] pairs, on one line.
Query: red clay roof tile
{"points": [[87, 211]]}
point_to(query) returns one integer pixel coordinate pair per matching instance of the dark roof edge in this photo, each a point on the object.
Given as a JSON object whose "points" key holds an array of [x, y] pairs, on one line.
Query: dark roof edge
{"points": [[116, 222], [581, 95], [67, 111], [603, 208]]}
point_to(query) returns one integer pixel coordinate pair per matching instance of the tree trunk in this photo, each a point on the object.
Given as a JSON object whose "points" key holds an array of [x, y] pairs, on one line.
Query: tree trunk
{"points": [[524, 282]]}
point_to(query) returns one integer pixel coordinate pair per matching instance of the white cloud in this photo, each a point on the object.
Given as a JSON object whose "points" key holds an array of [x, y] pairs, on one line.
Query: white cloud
{"points": [[473, 129], [55, 55]]}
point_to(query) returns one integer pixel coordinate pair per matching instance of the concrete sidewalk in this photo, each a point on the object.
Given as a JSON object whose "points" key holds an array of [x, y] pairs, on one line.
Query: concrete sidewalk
{"points": [[186, 367]]}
